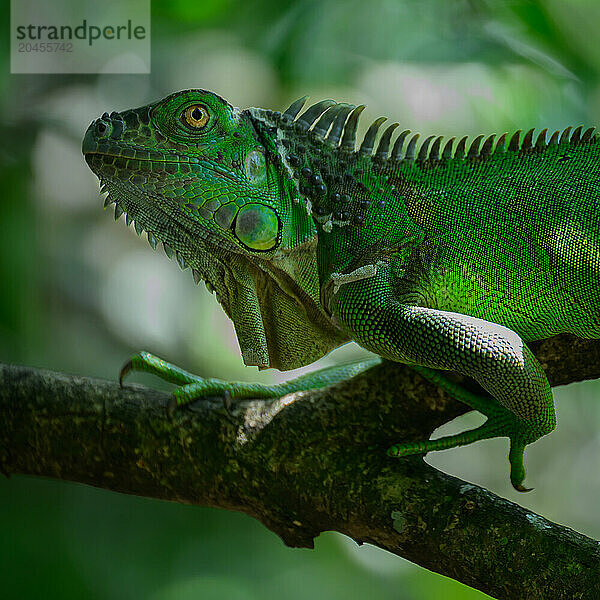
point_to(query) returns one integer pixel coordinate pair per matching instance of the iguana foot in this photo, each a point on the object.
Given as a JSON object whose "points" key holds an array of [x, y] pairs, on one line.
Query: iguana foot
{"points": [[192, 387], [490, 429], [500, 423]]}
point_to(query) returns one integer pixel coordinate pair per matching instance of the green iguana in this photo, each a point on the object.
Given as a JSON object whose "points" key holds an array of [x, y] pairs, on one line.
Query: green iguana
{"points": [[444, 257]]}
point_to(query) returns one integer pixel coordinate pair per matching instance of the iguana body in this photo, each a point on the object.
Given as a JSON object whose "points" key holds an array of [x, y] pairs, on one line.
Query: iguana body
{"points": [[438, 256]]}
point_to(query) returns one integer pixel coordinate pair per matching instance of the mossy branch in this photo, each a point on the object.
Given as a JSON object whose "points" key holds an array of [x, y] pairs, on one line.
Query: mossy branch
{"points": [[306, 463]]}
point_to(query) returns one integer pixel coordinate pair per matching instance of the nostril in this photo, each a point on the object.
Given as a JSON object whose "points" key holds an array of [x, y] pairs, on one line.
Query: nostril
{"points": [[101, 128]]}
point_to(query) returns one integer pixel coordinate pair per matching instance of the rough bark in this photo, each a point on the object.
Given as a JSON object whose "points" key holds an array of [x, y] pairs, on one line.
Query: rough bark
{"points": [[306, 463]]}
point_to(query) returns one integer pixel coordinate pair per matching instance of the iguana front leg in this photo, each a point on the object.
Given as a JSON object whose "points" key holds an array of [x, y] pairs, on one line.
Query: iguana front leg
{"points": [[493, 355]]}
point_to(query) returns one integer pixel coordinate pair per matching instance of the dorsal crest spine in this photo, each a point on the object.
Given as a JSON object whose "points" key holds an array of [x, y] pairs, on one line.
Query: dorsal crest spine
{"points": [[336, 123]]}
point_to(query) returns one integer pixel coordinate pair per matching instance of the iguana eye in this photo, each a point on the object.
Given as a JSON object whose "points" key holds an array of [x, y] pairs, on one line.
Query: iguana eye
{"points": [[257, 227], [195, 116]]}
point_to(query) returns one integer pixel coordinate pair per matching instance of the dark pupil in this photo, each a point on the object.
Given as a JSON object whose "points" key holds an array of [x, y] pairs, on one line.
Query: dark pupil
{"points": [[196, 114]]}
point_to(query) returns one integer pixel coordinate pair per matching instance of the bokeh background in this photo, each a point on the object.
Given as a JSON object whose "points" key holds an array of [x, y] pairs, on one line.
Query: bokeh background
{"points": [[79, 293]]}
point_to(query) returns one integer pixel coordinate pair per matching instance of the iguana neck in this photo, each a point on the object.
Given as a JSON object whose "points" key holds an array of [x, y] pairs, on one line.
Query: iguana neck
{"points": [[335, 185]]}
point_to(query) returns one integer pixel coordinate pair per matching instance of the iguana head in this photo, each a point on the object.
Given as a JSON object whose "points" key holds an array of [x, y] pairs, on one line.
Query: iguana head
{"points": [[213, 184]]}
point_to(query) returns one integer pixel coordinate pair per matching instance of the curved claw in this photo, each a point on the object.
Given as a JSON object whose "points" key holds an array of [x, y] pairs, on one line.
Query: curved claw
{"points": [[521, 488], [517, 468], [125, 370]]}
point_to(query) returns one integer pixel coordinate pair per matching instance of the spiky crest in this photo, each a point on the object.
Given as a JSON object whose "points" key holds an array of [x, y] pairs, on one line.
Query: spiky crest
{"points": [[336, 124]]}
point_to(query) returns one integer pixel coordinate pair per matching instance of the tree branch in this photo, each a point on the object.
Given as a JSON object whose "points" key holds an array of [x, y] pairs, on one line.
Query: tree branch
{"points": [[307, 463]]}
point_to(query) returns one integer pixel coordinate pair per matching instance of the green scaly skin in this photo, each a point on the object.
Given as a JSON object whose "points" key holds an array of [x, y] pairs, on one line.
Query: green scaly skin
{"points": [[439, 256]]}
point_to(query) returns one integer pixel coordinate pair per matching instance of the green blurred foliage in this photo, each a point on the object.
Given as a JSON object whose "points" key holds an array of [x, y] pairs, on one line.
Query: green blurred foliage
{"points": [[80, 293]]}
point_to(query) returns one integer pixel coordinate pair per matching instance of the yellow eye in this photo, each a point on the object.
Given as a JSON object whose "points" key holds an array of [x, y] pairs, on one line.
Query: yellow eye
{"points": [[195, 116]]}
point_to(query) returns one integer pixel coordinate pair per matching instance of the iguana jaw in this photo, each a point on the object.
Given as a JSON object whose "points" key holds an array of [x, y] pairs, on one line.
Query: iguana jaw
{"points": [[254, 294]]}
